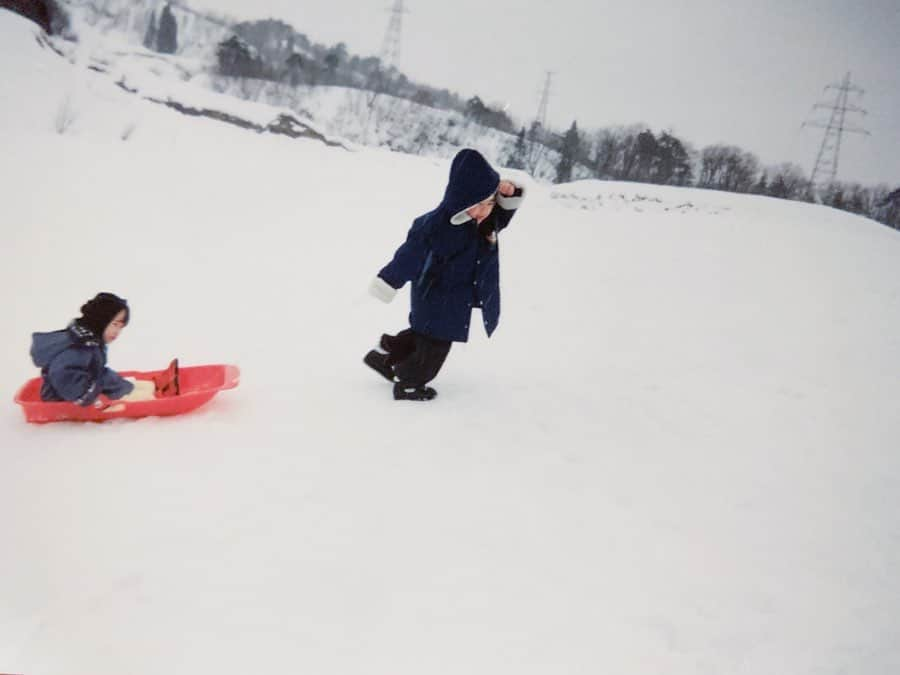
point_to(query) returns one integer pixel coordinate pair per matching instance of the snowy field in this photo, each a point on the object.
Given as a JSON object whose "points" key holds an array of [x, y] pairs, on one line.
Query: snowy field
{"points": [[678, 455]]}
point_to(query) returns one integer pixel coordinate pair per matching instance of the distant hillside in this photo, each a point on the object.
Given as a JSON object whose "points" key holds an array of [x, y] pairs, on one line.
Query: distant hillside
{"points": [[357, 98], [344, 109]]}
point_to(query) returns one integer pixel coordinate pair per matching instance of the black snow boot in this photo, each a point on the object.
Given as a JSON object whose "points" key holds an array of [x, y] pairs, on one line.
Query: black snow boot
{"points": [[402, 393], [378, 362]]}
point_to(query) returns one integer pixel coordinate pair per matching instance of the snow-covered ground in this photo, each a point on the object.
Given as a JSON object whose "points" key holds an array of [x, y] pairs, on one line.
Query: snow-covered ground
{"points": [[677, 455]]}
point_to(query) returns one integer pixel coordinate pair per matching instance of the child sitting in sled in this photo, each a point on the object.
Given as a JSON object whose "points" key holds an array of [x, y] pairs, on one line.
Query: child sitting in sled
{"points": [[73, 360]]}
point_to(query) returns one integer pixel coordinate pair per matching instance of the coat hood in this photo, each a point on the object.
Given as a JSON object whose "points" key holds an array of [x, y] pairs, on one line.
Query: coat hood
{"points": [[47, 346], [472, 180]]}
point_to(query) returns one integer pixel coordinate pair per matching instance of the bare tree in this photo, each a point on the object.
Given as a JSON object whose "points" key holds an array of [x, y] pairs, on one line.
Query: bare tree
{"points": [[787, 181], [726, 167]]}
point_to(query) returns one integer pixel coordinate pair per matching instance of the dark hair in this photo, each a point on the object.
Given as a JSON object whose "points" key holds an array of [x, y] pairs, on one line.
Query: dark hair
{"points": [[99, 311]]}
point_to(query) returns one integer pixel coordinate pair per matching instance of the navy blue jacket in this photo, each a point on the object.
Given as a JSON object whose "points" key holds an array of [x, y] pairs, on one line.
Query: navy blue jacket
{"points": [[452, 268], [73, 365]]}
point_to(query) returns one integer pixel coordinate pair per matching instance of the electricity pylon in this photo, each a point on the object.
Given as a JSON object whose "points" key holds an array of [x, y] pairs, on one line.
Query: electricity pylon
{"points": [[393, 37], [389, 54], [539, 125], [826, 166]]}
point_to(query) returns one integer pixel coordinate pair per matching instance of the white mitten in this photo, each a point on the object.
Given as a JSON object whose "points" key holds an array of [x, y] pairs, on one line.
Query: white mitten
{"points": [[382, 289], [514, 201]]}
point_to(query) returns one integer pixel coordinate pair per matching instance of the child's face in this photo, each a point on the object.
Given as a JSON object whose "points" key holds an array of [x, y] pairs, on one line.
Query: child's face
{"points": [[481, 210], [115, 327]]}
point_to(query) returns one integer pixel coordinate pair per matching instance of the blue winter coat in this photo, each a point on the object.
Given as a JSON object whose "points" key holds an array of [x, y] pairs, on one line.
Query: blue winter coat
{"points": [[73, 365], [452, 268]]}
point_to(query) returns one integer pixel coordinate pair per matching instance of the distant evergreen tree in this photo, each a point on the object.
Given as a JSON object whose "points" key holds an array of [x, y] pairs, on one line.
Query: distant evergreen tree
{"points": [[483, 114], [293, 69], [892, 198], [167, 38], [274, 41], [519, 155], [476, 109], [150, 35], [672, 165], [887, 207], [334, 59], [568, 154], [647, 156], [424, 97], [238, 59]]}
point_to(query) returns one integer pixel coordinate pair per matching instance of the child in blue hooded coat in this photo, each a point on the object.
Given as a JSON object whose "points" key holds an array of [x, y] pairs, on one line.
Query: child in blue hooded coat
{"points": [[73, 360], [451, 259]]}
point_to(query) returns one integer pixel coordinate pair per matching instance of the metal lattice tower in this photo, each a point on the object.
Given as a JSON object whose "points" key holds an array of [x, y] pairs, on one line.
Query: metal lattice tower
{"points": [[826, 166], [540, 124], [393, 37], [541, 118], [388, 57]]}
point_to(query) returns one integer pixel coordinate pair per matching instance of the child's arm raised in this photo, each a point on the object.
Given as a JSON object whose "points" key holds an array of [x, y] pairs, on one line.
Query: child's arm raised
{"points": [[509, 197]]}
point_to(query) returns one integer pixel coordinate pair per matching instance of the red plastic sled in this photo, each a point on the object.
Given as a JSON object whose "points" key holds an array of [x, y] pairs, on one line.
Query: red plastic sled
{"points": [[198, 385]]}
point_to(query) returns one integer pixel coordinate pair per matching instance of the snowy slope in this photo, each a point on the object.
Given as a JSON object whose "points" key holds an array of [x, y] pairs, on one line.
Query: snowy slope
{"points": [[678, 454]]}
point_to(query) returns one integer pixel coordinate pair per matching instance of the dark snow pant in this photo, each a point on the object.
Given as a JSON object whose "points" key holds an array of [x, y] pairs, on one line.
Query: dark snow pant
{"points": [[417, 358]]}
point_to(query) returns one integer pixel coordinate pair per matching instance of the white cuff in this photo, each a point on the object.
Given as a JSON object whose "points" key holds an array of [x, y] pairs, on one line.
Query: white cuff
{"points": [[460, 218], [511, 203], [382, 290]]}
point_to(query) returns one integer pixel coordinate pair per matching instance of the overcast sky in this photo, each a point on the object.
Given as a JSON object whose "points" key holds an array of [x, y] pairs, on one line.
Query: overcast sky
{"points": [[707, 72]]}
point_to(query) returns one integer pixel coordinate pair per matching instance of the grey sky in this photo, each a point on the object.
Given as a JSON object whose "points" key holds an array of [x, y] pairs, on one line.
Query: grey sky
{"points": [[711, 73]]}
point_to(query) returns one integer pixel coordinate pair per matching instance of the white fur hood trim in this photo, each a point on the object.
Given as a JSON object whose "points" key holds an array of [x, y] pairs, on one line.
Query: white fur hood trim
{"points": [[508, 203]]}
